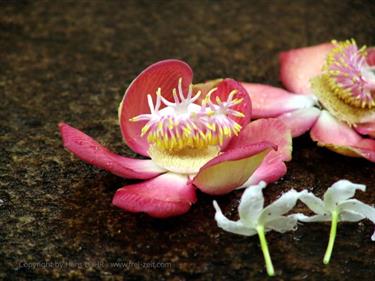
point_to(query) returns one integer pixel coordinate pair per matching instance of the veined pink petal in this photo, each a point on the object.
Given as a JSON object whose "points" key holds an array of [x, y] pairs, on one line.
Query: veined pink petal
{"points": [[270, 130], [88, 150], [165, 196], [165, 75], [231, 169], [371, 56], [268, 101], [366, 129], [339, 137], [298, 66], [224, 88], [300, 121]]}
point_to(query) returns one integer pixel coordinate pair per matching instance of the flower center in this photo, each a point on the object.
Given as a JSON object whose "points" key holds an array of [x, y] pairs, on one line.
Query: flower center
{"points": [[184, 124], [349, 76], [185, 161]]}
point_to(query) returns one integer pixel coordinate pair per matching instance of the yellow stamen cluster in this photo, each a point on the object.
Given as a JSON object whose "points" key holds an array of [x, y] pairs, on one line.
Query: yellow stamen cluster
{"points": [[177, 137], [343, 73], [185, 124]]}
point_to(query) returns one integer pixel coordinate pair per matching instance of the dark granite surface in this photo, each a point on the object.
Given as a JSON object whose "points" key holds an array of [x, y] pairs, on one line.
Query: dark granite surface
{"points": [[72, 61]]}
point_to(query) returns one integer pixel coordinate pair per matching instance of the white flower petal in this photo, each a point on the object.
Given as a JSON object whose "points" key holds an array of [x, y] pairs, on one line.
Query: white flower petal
{"points": [[236, 227], [314, 203], [350, 216], [359, 207], [373, 237], [281, 206], [251, 204], [282, 224], [316, 218], [340, 191]]}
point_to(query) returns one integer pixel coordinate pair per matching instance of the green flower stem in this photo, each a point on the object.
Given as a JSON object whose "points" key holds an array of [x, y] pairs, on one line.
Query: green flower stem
{"points": [[266, 253], [332, 236]]}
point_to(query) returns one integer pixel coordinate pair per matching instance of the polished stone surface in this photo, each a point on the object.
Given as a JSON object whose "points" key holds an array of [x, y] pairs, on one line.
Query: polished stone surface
{"points": [[62, 60]]}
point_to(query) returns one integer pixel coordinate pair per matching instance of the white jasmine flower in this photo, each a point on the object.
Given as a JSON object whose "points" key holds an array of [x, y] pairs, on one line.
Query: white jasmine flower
{"points": [[336, 206], [255, 219]]}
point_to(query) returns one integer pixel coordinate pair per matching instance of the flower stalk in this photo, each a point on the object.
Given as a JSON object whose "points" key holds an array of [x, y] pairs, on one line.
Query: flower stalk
{"points": [[332, 237], [266, 253]]}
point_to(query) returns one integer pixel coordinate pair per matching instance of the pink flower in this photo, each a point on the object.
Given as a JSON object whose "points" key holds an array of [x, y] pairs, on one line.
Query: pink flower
{"points": [[197, 136], [332, 92]]}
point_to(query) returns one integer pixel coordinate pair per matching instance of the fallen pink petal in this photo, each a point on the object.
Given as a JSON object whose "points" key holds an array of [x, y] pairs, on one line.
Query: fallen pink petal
{"points": [[338, 136], [300, 121], [270, 101], [298, 66], [196, 136], [164, 196]]}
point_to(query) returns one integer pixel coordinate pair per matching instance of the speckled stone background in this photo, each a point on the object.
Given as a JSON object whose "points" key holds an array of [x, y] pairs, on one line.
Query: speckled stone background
{"points": [[72, 61]]}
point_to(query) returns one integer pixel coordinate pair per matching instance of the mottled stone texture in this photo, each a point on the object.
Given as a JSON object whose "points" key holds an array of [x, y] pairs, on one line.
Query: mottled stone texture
{"points": [[72, 61]]}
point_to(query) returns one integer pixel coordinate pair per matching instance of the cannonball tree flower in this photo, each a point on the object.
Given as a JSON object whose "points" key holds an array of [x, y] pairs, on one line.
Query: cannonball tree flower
{"points": [[197, 136], [337, 205], [332, 92], [257, 219]]}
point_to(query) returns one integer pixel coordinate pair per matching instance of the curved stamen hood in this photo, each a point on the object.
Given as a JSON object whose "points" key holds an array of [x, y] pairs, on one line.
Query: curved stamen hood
{"points": [[186, 124], [349, 76]]}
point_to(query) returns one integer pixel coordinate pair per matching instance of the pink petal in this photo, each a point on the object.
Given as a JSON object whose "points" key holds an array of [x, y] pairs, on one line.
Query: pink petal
{"points": [[269, 130], [271, 169], [371, 56], [300, 121], [165, 196], [298, 66], [339, 137], [224, 88], [366, 129], [270, 101], [95, 154], [231, 169], [164, 74]]}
